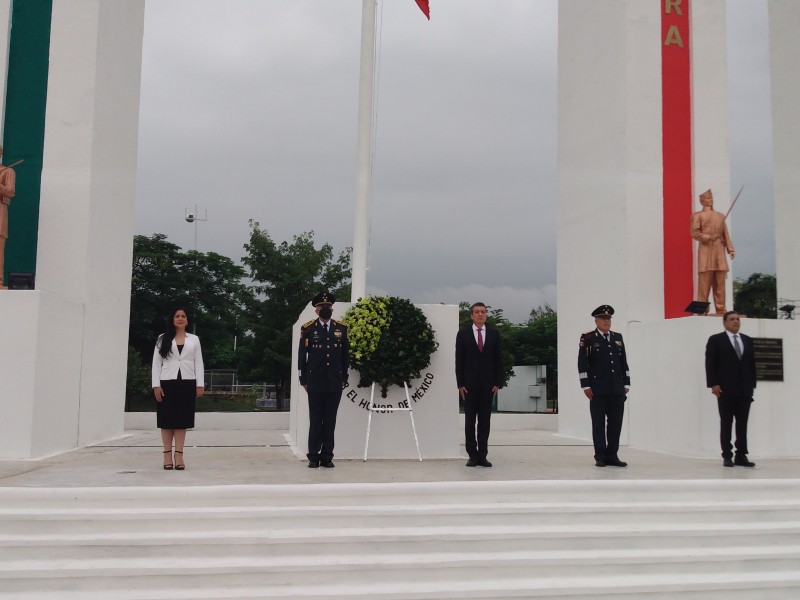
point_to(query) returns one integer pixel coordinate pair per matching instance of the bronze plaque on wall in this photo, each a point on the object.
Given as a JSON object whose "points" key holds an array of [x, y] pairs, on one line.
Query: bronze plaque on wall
{"points": [[769, 358]]}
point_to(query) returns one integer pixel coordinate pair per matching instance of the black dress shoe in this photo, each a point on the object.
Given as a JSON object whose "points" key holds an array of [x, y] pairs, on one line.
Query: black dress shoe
{"points": [[599, 463], [615, 462], [484, 463], [328, 464], [743, 462], [727, 462], [472, 463], [313, 464]]}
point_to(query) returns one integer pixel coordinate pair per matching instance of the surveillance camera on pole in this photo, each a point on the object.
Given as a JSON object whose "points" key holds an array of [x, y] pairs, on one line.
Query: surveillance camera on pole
{"points": [[192, 217]]}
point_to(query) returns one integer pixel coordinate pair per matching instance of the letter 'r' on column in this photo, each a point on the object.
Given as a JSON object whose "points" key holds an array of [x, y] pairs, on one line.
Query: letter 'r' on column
{"points": [[670, 4]]}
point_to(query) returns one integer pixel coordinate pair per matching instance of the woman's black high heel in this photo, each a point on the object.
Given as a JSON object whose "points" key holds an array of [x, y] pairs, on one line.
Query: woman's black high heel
{"points": [[179, 467], [169, 466]]}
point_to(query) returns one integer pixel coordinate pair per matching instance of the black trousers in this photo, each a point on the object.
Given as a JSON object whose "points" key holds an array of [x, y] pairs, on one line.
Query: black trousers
{"points": [[607, 412], [730, 408], [477, 408], [322, 409]]}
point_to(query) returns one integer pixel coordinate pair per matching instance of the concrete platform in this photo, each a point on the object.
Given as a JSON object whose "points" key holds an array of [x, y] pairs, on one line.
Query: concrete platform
{"points": [[243, 457], [248, 519]]}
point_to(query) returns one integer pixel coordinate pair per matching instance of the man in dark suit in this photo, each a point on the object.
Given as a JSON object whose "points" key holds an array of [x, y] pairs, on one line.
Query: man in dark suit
{"points": [[479, 375], [323, 362], [605, 379], [731, 375]]}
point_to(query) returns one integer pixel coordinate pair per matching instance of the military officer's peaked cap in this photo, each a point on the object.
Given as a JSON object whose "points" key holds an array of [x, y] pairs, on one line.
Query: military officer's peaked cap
{"points": [[603, 311], [323, 298]]}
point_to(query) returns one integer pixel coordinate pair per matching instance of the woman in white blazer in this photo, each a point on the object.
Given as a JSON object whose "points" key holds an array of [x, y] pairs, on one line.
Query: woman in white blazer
{"points": [[177, 383]]}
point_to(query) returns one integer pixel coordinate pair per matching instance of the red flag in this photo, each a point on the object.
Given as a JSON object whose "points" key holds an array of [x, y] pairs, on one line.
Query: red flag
{"points": [[423, 6]]}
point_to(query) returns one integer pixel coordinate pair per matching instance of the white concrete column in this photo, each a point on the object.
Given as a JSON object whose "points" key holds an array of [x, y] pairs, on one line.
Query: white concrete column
{"points": [[610, 232], [784, 50], [5, 29], [710, 115], [63, 359], [88, 185]]}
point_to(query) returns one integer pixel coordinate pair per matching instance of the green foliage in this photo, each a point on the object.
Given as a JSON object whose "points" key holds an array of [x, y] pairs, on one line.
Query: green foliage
{"points": [[756, 296], [390, 339], [164, 276], [535, 343], [286, 276], [210, 287], [138, 384], [254, 392], [366, 321]]}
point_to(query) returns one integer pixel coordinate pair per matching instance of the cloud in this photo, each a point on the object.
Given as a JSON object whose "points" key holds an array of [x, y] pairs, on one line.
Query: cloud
{"points": [[248, 110]]}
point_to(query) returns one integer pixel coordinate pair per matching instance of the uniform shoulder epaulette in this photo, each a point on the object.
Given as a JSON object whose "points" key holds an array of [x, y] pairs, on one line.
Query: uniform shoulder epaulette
{"points": [[342, 323], [307, 324], [590, 332]]}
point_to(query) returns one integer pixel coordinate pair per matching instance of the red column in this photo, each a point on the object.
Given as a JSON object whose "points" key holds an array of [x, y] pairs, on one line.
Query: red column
{"points": [[677, 156]]}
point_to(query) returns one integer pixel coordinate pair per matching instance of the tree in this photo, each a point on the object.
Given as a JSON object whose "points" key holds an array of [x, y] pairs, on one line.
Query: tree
{"points": [[756, 296], [210, 285], [536, 343], [286, 276], [138, 378]]}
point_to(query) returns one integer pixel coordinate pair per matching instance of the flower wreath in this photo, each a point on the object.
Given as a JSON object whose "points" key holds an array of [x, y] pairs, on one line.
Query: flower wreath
{"points": [[390, 341]]}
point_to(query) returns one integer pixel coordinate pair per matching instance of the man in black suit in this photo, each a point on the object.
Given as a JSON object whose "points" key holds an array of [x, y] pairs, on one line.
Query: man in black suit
{"points": [[479, 375], [731, 375], [323, 362], [605, 379]]}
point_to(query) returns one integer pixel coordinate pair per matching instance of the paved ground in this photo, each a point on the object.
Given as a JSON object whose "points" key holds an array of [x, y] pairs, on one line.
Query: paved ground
{"points": [[264, 457]]}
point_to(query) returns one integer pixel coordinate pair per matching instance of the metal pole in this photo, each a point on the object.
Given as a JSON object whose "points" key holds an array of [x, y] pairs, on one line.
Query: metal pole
{"points": [[364, 149]]}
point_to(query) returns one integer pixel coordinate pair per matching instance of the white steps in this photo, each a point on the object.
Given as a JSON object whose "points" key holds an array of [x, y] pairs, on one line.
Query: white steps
{"points": [[534, 539]]}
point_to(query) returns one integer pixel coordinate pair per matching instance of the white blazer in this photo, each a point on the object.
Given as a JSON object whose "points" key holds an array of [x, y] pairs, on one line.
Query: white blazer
{"points": [[189, 362]]}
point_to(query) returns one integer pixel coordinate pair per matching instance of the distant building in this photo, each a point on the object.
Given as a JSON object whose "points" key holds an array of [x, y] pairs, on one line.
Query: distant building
{"points": [[526, 391]]}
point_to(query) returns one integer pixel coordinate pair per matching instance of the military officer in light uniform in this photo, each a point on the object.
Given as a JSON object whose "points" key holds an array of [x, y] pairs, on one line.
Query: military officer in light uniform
{"points": [[605, 379], [323, 364]]}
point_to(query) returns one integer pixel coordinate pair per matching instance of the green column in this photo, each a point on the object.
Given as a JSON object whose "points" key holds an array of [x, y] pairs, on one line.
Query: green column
{"points": [[26, 103]]}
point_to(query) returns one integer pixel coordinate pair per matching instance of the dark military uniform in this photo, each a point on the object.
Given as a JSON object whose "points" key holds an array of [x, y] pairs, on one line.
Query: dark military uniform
{"points": [[323, 364], [603, 367]]}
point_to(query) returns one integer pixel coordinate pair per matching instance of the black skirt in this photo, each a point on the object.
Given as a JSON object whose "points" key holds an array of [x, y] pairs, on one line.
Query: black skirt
{"points": [[176, 409]]}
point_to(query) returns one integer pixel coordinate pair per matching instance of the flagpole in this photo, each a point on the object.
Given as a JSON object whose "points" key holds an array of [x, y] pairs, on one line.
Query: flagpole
{"points": [[364, 150]]}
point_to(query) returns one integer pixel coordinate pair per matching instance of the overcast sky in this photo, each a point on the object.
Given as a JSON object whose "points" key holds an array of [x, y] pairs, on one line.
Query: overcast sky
{"points": [[248, 111]]}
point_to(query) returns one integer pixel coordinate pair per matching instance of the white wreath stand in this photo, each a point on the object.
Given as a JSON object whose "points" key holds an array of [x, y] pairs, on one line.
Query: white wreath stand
{"points": [[371, 408]]}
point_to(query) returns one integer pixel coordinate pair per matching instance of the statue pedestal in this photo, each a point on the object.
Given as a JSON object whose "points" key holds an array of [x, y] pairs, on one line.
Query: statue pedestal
{"points": [[40, 363], [670, 409]]}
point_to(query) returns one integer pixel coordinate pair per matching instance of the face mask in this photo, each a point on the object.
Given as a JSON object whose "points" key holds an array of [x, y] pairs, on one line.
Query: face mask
{"points": [[326, 313]]}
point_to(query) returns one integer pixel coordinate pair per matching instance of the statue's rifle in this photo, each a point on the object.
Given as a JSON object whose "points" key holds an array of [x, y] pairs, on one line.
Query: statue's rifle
{"points": [[734, 202], [11, 166]]}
